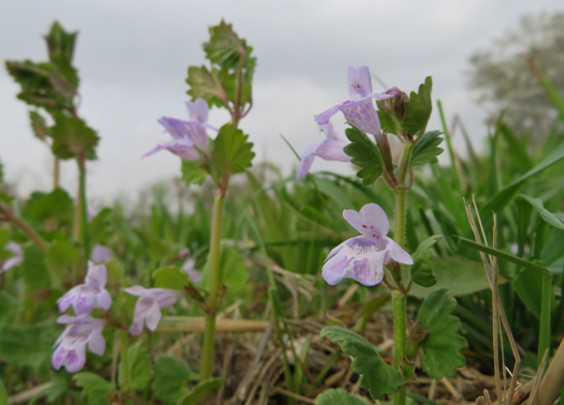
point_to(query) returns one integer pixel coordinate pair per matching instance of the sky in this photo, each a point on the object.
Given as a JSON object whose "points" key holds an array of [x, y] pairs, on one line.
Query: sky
{"points": [[132, 58]]}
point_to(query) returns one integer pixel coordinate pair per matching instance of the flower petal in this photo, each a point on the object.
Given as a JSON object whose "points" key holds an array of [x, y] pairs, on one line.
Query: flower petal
{"points": [[97, 275], [359, 81], [96, 343], [307, 160], [375, 218], [397, 253], [362, 115], [153, 316], [326, 115], [333, 150], [198, 110]]}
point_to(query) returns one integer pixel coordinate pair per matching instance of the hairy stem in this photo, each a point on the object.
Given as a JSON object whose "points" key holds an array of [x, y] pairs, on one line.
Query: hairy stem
{"points": [[213, 300]]}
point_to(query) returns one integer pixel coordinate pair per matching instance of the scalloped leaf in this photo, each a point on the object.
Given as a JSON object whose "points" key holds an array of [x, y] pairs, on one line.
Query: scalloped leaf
{"points": [[427, 149], [377, 376], [94, 387], [441, 345], [231, 153], [338, 396], [418, 109], [364, 154], [206, 84]]}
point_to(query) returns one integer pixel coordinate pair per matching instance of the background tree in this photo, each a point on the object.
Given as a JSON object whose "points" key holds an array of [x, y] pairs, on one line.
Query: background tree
{"points": [[503, 78]]}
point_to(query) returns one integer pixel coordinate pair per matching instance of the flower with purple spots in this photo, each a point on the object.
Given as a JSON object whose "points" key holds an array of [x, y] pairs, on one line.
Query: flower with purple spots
{"points": [[189, 138], [328, 149], [149, 305], [15, 260], [70, 347], [91, 294], [359, 109], [363, 258]]}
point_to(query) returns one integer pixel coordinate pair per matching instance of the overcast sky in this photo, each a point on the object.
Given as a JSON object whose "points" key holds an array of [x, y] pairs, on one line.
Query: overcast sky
{"points": [[132, 58]]}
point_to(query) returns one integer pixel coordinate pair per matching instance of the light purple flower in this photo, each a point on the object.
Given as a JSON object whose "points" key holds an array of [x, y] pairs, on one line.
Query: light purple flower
{"points": [[190, 140], [149, 305], [188, 268], [328, 149], [89, 295], [70, 349], [15, 260], [362, 258], [359, 109], [93, 209], [101, 254]]}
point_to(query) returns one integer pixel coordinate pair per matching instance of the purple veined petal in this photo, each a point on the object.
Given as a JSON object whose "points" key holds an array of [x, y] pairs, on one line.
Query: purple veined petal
{"points": [[58, 357], [198, 110], [368, 267], [96, 343], [75, 358], [153, 316], [96, 275], [136, 327], [135, 290], [175, 127], [165, 297], [104, 300], [196, 133], [307, 160], [326, 115], [376, 220], [397, 253], [329, 131], [360, 83], [101, 254], [333, 150], [362, 115]]}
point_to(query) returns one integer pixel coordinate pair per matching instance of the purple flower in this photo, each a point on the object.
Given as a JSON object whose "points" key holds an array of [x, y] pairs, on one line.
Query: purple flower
{"points": [[89, 295], [190, 140], [362, 258], [188, 268], [101, 254], [359, 109], [16, 249], [329, 149], [149, 305], [71, 345]]}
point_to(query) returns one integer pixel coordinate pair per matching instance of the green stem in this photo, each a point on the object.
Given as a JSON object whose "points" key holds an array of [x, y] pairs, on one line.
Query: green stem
{"points": [[124, 366], [399, 300], [83, 207], [213, 300], [24, 227], [399, 297]]}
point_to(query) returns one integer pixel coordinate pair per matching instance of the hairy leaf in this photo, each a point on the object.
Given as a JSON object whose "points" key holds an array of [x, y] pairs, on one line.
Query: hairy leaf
{"points": [[206, 84], [364, 154], [38, 125], [441, 345], [192, 172], [34, 268], [418, 109], [71, 136], [172, 278], [423, 259], [377, 376], [427, 149], [338, 396], [199, 392], [171, 376], [232, 153], [56, 205], [140, 368], [94, 387]]}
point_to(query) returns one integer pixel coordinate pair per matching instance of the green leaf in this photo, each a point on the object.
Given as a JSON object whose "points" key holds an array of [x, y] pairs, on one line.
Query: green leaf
{"points": [[28, 345], [34, 269], [459, 275], [140, 368], [500, 200], [427, 149], [441, 345], [192, 172], [59, 387], [418, 108], [206, 84], [3, 394], [199, 392], [231, 153], [338, 396], [115, 271], [233, 271], [56, 205], [377, 376], [71, 137], [545, 214], [225, 48], [60, 45], [171, 376], [94, 387], [423, 259], [172, 278], [38, 125], [364, 154], [61, 254]]}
